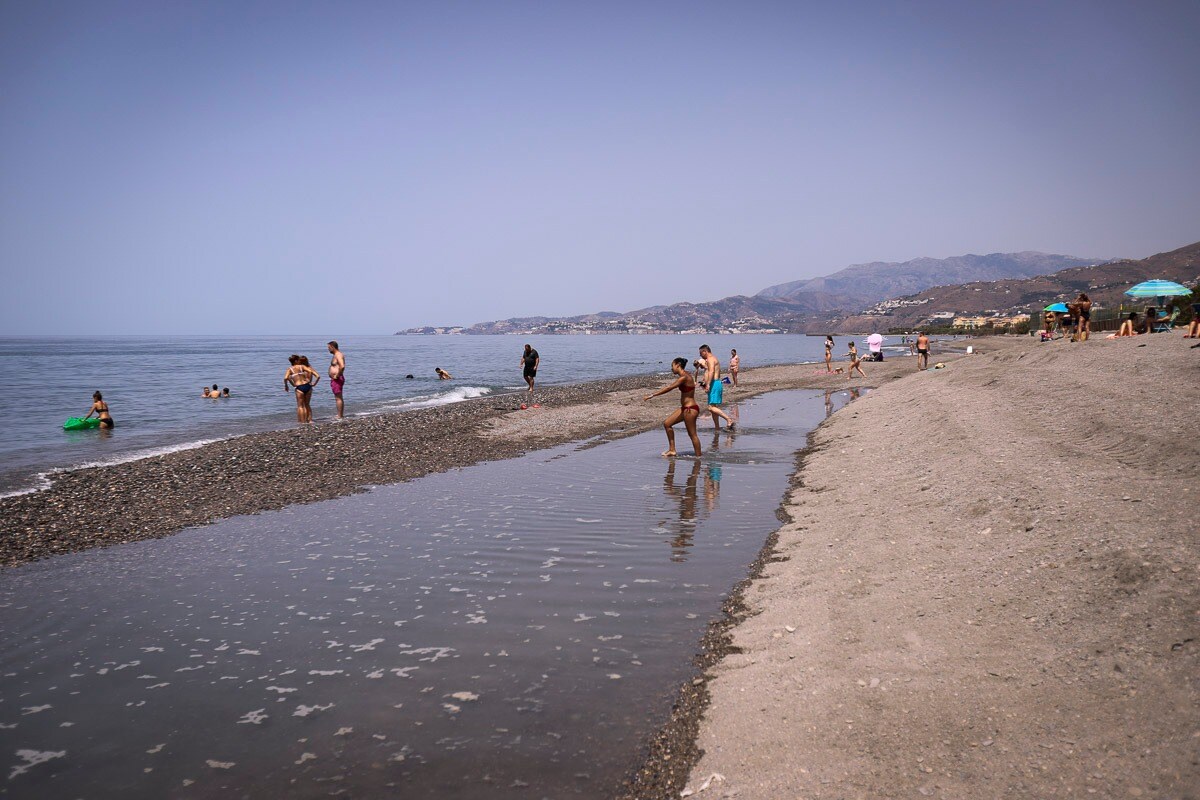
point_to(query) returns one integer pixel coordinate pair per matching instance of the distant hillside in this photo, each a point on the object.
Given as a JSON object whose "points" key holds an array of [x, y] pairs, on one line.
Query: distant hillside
{"points": [[795, 306], [880, 280], [1104, 284]]}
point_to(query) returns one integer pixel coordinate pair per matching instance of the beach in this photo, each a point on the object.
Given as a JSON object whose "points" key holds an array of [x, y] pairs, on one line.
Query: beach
{"points": [[154, 497], [987, 587]]}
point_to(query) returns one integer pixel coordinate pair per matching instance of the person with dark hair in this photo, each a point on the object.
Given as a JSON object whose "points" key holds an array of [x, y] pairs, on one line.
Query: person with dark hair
{"points": [[100, 409], [829, 353], [442, 374], [1147, 324], [337, 377], [1129, 326], [1083, 307], [302, 378], [922, 351], [735, 366], [688, 411], [530, 361], [225, 392], [855, 362], [207, 392]]}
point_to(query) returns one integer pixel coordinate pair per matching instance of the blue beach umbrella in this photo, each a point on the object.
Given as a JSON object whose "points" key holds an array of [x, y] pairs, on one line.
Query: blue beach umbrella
{"points": [[1059, 307], [1158, 289]]}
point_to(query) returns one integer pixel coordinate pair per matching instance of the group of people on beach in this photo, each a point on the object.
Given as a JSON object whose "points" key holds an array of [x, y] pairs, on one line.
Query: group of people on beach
{"points": [[301, 378], [689, 410]]}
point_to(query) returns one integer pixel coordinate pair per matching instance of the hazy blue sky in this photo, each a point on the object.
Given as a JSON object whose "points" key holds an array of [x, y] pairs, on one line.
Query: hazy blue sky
{"points": [[339, 168]]}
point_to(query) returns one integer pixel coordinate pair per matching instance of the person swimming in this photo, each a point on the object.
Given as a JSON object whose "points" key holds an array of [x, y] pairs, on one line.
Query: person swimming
{"points": [[689, 409], [442, 374], [100, 409]]}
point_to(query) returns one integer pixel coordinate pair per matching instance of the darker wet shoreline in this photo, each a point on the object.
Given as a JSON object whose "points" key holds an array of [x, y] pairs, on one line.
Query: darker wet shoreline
{"points": [[157, 496]]}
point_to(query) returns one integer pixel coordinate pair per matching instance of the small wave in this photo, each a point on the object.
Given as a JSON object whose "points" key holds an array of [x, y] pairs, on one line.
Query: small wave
{"points": [[43, 480], [430, 400]]}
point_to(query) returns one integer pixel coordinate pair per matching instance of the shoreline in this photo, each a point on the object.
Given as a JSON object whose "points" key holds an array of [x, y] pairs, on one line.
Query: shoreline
{"points": [[247, 474], [979, 589]]}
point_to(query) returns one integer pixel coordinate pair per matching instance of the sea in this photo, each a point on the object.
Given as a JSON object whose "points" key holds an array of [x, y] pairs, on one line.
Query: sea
{"points": [[153, 385]]}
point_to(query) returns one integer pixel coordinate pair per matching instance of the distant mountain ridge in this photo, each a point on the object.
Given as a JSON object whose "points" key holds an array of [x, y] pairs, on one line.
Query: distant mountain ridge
{"points": [[790, 306], [881, 280]]}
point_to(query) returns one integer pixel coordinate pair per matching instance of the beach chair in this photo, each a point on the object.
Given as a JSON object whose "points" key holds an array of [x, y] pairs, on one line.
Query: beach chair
{"points": [[1164, 324]]}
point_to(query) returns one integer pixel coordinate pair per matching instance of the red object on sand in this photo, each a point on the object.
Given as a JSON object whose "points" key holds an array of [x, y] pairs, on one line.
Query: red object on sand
{"points": [[523, 406]]}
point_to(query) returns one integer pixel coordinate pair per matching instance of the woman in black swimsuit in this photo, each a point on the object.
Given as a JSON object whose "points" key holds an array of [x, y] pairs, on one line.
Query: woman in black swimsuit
{"points": [[688, 409], [301, 377], [828, 353], [100, 408]]}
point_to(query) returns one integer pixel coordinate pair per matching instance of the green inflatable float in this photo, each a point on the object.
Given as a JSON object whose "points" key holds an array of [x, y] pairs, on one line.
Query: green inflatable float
{"points": [[81, 424]]}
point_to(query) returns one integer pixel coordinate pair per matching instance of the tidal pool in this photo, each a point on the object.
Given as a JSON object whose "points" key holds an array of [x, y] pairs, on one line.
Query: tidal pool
{"points": [[510, 630]]}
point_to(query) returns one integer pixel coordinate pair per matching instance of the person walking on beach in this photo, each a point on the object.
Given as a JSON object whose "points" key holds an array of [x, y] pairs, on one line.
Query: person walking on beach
{"points": [[922, 351], [100, 409], [829, 354], [337, 377], [855, 362], [735, 364], [689, 410], [1084, 310], [301, 378], [716, 389], [530, 361]]}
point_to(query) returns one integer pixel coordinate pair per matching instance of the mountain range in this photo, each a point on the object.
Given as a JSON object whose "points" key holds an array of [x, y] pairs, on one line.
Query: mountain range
{"points": [[850, 299]]}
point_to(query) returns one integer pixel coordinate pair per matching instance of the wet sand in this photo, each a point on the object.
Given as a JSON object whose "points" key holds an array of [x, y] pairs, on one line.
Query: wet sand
{"points": [[987, 588], [103, 506]]}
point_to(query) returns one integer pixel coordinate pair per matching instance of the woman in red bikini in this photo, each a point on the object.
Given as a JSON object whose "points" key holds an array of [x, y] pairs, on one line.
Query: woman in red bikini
{"points": [[688, 409]]}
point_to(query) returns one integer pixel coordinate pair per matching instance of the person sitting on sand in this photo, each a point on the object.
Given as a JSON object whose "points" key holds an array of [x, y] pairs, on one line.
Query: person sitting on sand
{"points": [[1147, 324], [855, 362], [302, 378], [442, 374], [1128, 326], [100, 409], [1193, 331], [689, 409]]}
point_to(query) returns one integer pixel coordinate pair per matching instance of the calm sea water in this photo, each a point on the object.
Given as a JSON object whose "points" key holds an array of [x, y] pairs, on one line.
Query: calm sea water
{"points": [[153, 385], [510, 630]]}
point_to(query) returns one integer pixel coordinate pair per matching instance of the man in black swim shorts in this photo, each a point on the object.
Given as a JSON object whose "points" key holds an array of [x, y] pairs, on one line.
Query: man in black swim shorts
{"points": [[530, 361], [923, 351]]}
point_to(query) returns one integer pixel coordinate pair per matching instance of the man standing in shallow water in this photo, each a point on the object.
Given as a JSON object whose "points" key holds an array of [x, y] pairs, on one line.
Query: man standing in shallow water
{"points": [[716, 389], [337, 377]]}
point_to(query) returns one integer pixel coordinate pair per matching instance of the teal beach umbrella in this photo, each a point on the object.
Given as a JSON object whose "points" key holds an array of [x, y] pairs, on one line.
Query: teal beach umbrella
{"points": [[1059, 307], [1158, 289]]}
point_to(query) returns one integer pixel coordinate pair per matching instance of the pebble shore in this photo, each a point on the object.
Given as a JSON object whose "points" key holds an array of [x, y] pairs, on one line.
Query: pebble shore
{"points": [[155, 497]]}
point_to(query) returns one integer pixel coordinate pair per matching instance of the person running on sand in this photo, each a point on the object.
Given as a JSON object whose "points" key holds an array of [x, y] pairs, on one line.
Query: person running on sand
{"points": [[302, 378], [855, 362], [829, 354], [530, 361], [100, 409], [337, 377], [735, 364], [442, 374], [689, 410], [716, 389], [922, 351]]}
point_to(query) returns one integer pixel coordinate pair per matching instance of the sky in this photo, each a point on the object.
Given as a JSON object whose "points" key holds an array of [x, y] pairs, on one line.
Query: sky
{"points": [[353, 168]]}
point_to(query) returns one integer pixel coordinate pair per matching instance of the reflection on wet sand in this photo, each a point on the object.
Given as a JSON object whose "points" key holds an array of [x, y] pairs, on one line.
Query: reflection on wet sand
{"points": [[505, 631]]}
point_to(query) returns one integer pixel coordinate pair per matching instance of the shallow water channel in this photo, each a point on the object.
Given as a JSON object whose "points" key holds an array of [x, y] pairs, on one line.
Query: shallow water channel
{"points": [[513, 629]]}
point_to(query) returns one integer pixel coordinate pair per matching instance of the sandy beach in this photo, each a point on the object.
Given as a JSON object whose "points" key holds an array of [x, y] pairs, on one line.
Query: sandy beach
{"points": [[987, 588], [154, 497]]}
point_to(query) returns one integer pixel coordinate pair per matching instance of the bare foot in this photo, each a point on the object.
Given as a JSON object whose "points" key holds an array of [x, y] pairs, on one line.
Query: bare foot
{"points": [[669, 453]]}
